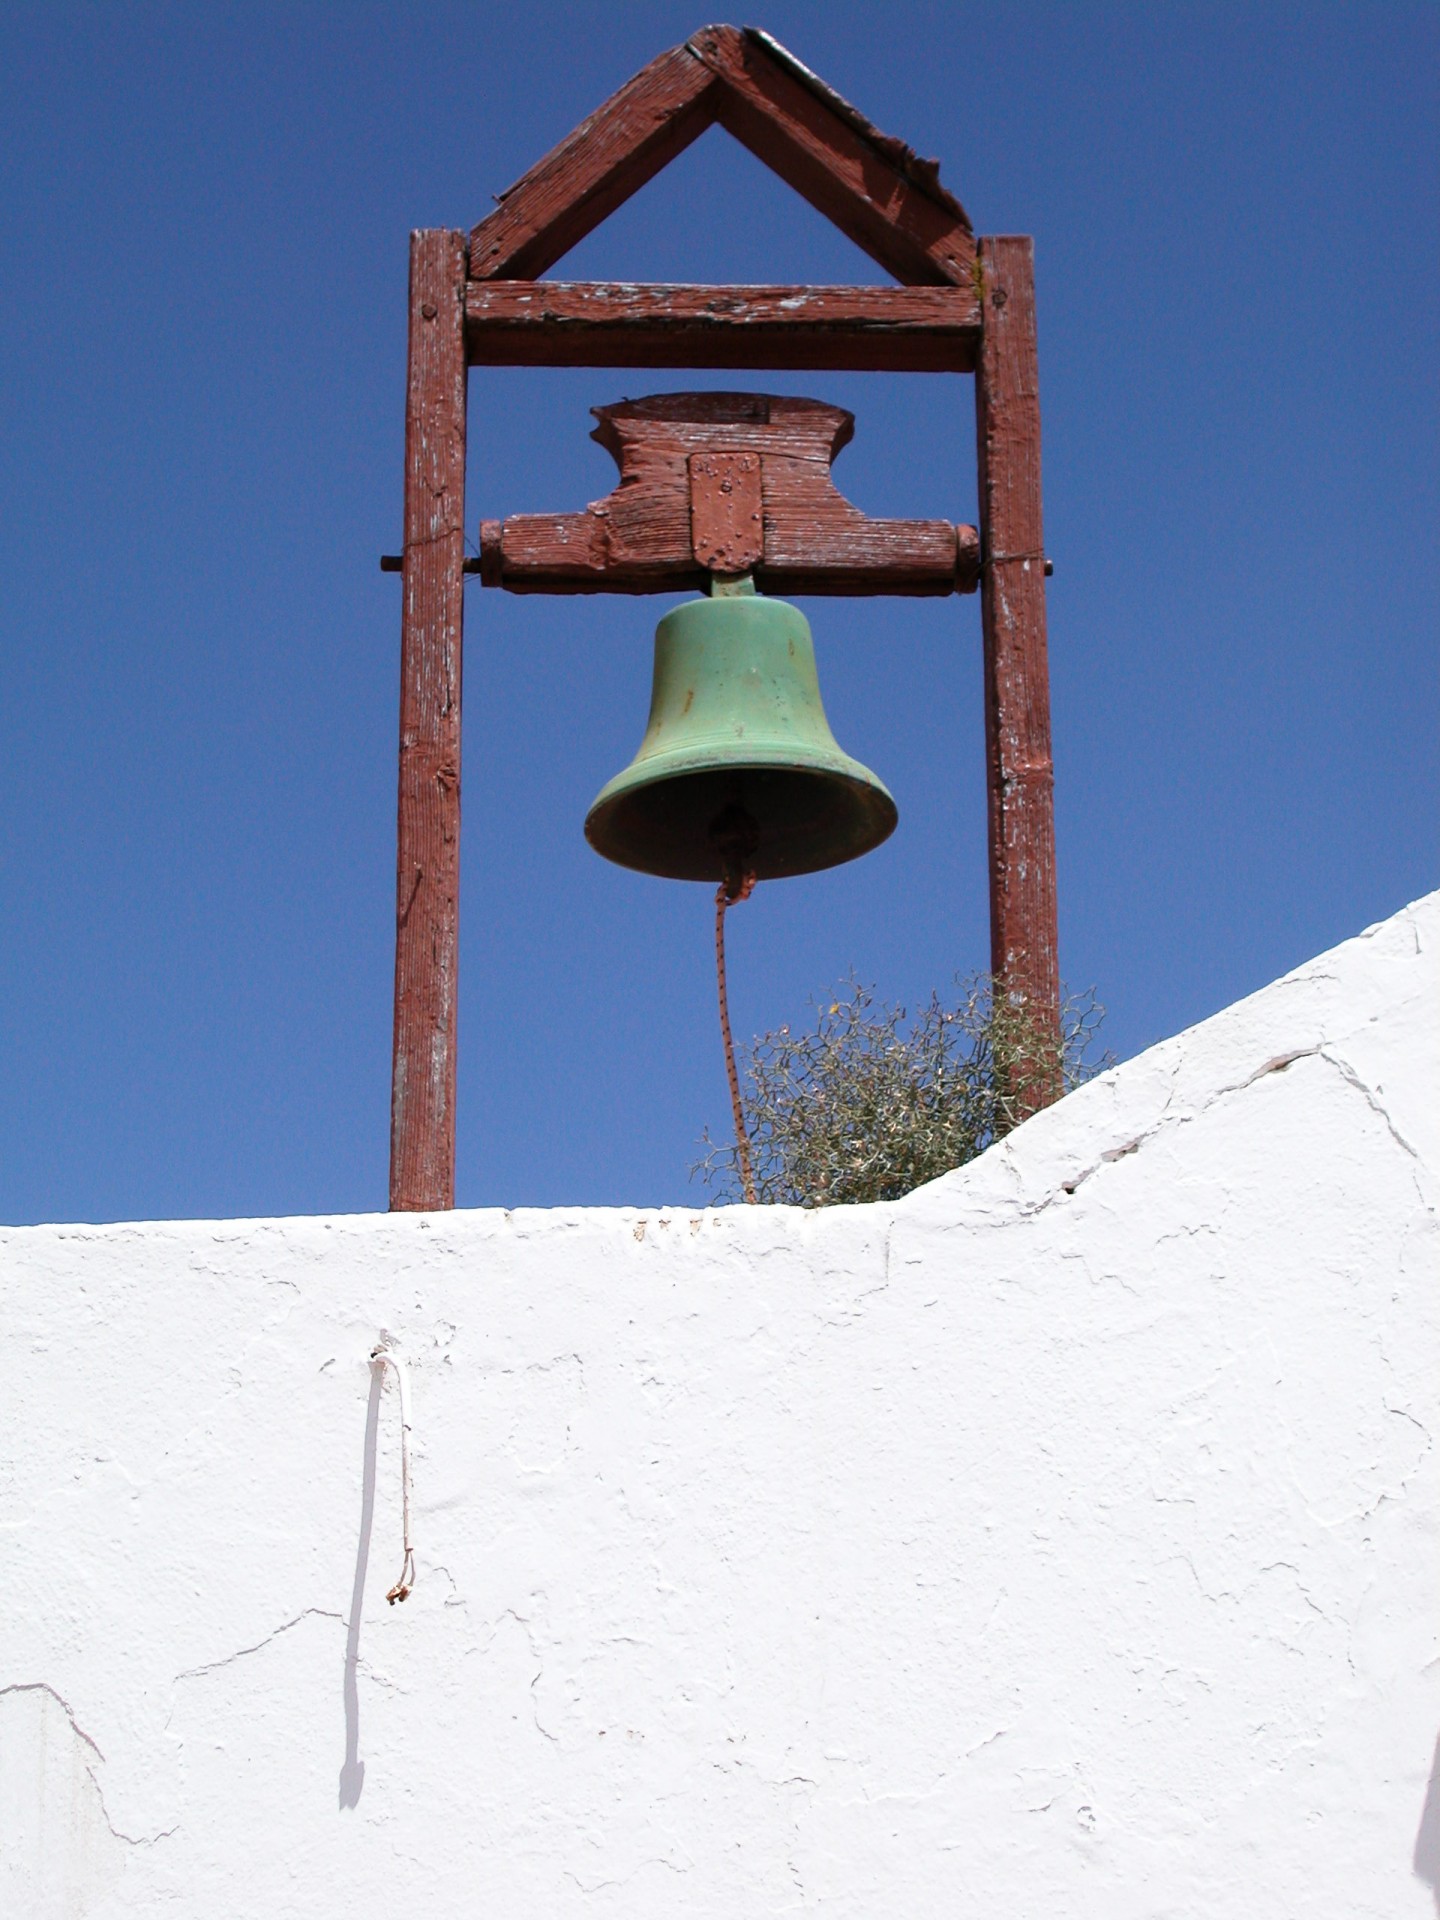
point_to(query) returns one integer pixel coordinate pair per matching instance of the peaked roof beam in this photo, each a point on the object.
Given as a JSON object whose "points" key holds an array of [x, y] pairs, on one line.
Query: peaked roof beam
{"points": [[871, 186], [608, 157]]}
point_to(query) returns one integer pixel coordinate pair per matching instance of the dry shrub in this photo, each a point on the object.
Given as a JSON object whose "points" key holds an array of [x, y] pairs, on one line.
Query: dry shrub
{"points": [[871, 1104]]}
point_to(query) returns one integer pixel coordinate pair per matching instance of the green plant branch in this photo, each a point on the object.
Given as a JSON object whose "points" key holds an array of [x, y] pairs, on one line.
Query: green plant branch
{"points": [[872, 1103]]}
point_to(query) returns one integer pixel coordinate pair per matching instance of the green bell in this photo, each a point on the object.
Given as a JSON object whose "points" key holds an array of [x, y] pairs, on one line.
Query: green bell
{"points": [[738, 769]]}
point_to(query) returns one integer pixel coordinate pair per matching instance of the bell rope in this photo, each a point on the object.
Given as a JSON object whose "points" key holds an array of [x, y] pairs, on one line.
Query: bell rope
{"points": [[737, 885]]}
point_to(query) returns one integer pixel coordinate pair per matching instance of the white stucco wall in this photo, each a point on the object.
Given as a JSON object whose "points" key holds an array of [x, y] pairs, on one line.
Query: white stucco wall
{"points": [[1061, 1541]]}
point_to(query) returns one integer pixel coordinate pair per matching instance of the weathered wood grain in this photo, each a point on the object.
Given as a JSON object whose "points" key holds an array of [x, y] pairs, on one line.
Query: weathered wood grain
{"points": [[529, 323], [595, 169], [875, 190], [422, 1111], [642, 538], [1023, 931]]}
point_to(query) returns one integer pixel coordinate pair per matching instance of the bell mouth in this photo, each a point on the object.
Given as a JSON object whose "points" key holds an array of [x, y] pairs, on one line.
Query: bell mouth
{"points": [[681, 826]]}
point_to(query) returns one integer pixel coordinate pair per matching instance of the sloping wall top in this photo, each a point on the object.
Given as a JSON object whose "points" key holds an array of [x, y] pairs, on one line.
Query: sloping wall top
{"points": [[1063, 1540]]}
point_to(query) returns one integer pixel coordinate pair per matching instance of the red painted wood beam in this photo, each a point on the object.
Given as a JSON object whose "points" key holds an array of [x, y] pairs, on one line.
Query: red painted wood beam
{"points": [[875, 189], [807, 537], [595, 169], [1023, 932], [888, 200], [422, 1108], [543, 323]]}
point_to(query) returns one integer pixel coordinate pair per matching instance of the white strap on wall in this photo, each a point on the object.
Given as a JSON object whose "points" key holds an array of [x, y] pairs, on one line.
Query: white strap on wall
{"points": [[381, 1356]]}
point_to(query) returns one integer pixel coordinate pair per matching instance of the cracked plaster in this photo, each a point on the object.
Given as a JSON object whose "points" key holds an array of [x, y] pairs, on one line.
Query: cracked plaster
{"points": [[1062, 1539]]}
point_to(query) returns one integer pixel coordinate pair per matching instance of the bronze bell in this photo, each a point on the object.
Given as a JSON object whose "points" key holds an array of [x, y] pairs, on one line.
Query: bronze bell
{"points": [[738, 768]]}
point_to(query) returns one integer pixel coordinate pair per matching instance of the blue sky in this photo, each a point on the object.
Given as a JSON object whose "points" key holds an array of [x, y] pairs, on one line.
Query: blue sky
{"points": [[203, 245]]}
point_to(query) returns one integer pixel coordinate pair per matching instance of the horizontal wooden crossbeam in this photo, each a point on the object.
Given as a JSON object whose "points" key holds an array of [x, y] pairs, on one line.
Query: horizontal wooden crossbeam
{"points": [[537, 323], [725, 483]]}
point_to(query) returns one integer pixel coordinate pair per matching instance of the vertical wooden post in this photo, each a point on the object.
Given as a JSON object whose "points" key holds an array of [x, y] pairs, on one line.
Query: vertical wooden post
{"points": [[1023, 936], [422, 1100]]}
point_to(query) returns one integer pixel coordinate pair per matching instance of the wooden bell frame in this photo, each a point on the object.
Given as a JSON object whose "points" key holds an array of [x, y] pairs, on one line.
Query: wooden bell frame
{"points": [[727, 480]]}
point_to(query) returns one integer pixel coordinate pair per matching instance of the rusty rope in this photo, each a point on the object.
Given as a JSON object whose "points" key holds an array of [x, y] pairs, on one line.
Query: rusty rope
{"points": [[736, 886]]}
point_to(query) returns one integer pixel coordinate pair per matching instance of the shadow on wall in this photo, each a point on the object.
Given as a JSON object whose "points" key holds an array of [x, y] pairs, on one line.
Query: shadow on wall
{"points": [[1427, 1840], [352, 1772]]}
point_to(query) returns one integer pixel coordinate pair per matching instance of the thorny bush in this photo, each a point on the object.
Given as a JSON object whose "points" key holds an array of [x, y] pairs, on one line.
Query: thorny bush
{"points": [[872, 1104]]}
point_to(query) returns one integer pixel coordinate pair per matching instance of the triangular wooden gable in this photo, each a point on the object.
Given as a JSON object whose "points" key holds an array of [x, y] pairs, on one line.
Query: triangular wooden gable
{"points": [[873, 187], [960, 307]]}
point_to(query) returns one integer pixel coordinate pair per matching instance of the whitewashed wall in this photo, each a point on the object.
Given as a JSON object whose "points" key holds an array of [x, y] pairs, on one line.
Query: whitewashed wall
{"points": [[1061, 1541]]}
